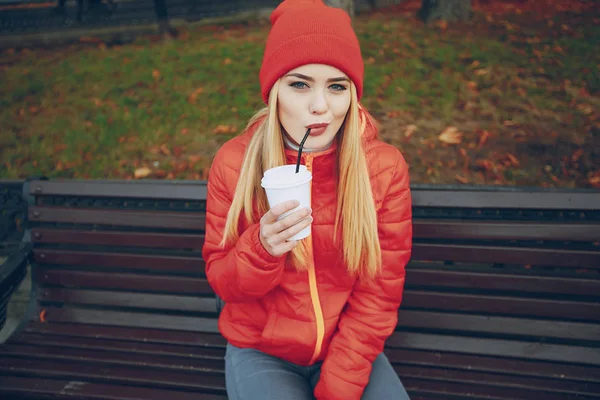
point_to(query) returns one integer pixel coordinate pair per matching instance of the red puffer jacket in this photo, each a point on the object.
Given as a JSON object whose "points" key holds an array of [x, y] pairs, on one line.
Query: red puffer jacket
{"points": [[322, 314]]}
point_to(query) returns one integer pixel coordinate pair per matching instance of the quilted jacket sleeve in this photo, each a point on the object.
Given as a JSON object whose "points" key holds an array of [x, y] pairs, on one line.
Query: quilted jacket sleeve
{"points": [[371, 314], [243, 270]]}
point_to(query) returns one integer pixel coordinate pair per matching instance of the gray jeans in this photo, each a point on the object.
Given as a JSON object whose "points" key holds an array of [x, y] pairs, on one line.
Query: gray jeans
{"points": [[253, 375]]}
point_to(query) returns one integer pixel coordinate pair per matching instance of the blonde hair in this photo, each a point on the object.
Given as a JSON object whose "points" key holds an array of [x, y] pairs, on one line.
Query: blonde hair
{"points": [[355, 208]]}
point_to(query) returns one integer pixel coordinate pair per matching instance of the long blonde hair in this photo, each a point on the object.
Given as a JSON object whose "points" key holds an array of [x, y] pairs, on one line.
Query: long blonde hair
{"points": [[355, 208]]}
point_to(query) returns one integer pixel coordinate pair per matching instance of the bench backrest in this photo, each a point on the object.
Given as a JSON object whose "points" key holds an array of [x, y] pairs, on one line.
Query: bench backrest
{"points": [[121, 254], [491, 272]]}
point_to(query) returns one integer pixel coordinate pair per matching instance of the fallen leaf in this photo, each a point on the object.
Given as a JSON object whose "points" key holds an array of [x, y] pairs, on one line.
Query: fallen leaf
{"points": [[227, 61], [512, 159], [577, 155], [194, 159], [156, 74], [585, 108], [461, 179], [451, 135], [165, 150], [142, 172], [192, 98], [472, 86], [483, 137], [224, 129], [481, 72], [410, 130]]}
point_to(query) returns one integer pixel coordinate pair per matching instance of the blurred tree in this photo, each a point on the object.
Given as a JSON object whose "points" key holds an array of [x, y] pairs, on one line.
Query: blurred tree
{"points": [[346, 5], [446, 10], [164, 27]]}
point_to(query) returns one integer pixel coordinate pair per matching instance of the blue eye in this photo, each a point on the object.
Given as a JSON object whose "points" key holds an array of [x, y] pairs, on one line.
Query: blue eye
{"points": [[338, 87], [299, 85]]}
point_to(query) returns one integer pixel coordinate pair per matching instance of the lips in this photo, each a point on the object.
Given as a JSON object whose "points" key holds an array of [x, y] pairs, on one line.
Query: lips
{"points": [[315, 126], [317, 129]]}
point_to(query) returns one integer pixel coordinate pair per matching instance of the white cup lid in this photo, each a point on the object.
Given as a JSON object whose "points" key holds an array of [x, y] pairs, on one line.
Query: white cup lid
{"points": [[285, 176]]}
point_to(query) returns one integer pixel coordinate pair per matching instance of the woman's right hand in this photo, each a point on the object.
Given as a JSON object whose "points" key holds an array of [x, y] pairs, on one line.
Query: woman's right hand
{"points": [[274, 234]]}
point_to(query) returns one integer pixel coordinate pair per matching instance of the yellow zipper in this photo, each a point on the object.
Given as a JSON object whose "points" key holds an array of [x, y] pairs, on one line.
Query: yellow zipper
{"points": [[314, 290]]}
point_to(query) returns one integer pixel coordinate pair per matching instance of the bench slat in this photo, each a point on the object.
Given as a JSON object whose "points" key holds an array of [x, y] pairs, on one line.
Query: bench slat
{"points": [[168, 302], [110, 372], [501, 198], [508, 255], [502, 365], [495, 347], [431, 389], [115, 238], [83, 342], [66, 388], [542, 386], [170, 335], [122, 189], [119, 217], [131, 319], [180, 264], [419, 274], [116, 280], [485, 230], [195, 361], [493, 325], [514, 306]]}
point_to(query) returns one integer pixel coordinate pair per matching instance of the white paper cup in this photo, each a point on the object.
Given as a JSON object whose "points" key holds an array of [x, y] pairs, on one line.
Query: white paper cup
{"points": [[283, 184]]}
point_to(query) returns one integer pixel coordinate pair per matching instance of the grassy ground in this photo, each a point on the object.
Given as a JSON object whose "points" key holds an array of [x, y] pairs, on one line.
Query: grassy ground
{"points": [[517, 95]]}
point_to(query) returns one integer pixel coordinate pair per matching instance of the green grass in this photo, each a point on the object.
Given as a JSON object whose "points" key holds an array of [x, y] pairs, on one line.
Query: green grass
{"points": [[98, 112]]}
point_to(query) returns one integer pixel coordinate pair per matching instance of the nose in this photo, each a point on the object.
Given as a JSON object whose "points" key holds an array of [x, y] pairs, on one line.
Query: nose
{"points": [[318, 104]]}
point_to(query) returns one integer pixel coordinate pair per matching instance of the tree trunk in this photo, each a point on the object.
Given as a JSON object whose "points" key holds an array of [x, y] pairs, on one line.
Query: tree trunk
{"points": [[346, 5], [447, 10]]}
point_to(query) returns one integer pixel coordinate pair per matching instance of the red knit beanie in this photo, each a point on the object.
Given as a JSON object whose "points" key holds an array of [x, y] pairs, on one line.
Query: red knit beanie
{"points": [[309, 32]]}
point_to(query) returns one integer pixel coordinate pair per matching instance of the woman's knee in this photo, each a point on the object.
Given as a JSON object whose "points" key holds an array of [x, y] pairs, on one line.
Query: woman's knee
{"points": [[251, 374], [384, 382]]}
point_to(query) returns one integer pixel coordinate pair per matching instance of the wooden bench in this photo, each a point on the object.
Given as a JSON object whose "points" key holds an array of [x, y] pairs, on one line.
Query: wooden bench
{"points": [[502, 299], [12, 215]]}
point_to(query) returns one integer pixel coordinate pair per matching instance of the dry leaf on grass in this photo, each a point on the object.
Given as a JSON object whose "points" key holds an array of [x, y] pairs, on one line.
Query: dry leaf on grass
{"points": [[224, 129], [142, 172], [461, 179], [194, 95], [484, 135], [451, 135], [410, 130]]}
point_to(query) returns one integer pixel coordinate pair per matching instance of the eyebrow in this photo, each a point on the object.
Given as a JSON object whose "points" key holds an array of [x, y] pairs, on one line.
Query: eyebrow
{"points": [[308, 78]]}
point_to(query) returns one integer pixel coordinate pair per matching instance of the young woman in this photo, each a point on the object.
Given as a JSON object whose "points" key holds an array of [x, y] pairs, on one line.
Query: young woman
{"points": [[308, 319]]}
